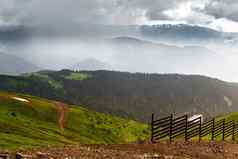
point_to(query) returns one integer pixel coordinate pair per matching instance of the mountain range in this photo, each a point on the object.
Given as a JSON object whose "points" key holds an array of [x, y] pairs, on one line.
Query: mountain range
{"points": [[150, 57], [158, 57], [150, 45], [186, 34], [130, 95]]}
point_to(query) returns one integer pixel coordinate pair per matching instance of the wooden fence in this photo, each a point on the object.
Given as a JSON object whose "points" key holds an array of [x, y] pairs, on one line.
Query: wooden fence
{"points": [[180, 127]]}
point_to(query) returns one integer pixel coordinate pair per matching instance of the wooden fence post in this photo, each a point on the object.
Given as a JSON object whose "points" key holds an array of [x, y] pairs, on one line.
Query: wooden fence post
{"points": [[200, 128], [186, 128], [152, 128], [213, 128], [171, 128], [191, 129], [233, 130], [223, 129]]}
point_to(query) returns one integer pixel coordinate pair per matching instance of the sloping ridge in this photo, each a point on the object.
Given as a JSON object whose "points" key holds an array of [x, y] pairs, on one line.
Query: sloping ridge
{"points": [[27, 121], [131, 95]]}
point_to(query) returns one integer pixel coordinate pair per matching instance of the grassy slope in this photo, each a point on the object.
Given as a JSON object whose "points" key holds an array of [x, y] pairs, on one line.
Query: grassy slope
{"points": [[229, 117], [77, 76], [26, 125]]}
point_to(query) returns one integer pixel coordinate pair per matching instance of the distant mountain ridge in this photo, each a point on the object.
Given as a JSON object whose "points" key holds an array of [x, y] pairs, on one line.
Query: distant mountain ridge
{"points": [[127, 40], [139, 55], [159, 31], [183, 33], [181, 30]]}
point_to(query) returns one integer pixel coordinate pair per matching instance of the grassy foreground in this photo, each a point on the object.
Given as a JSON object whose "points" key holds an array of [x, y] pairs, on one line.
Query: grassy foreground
{"points": [[35, 123]]}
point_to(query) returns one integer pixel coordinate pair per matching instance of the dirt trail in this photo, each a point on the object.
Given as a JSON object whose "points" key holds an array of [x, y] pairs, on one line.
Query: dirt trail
{"points": [[176, 150], [63, 111]]}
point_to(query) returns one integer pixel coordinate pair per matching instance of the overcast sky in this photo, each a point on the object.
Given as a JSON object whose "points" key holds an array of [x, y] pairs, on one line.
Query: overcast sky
{"points": [[218, 14], [68, 16]]}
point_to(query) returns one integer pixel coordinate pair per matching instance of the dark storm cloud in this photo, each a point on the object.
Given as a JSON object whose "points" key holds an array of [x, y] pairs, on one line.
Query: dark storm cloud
{"points": [[199, 9], [82, 11], [153, 8], [223, 9], [11, 12], [52, 12], [72, 12]]}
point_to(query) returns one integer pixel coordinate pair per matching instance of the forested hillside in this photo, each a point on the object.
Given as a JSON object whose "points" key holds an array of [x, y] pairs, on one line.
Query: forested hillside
{"points": [[132, 95]]}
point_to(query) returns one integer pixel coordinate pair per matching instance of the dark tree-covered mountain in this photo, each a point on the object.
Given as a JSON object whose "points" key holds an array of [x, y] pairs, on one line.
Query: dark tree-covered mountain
{"points": [[133, 95], [180, 31], [185, 34], [12, 65]]}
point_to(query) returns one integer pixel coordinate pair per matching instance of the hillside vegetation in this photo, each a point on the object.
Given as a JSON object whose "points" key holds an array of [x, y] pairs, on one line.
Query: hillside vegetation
{"points": [[27, 121], [130, 95]]}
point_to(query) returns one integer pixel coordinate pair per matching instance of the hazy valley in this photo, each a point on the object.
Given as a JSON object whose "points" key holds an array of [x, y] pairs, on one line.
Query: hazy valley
{"points": [[118, 79]]}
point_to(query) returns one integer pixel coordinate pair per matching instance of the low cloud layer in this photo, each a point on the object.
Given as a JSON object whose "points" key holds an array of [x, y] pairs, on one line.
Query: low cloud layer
{"points": [[74, 18]]}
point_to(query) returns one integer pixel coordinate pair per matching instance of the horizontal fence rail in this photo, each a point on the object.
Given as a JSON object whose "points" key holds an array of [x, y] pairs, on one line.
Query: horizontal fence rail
{"points": [[181, 127]]}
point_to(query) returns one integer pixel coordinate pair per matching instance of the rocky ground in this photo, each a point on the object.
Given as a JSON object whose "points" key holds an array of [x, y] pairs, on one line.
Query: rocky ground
{"points": [[176, 150]]}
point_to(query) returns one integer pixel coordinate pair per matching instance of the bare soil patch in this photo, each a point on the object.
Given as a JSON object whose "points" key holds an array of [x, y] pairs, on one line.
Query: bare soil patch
{"points": [[63, 111], [176, 150]]}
